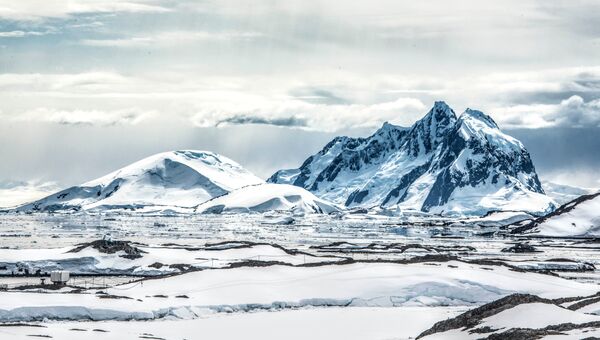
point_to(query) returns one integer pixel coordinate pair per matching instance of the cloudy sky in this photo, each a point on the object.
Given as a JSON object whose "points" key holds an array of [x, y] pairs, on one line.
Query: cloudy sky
{"points": [[87, 86]]}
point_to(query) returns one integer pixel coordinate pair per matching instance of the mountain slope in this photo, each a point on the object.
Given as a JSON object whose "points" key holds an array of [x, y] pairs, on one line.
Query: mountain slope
{"points": [[442, 164], [267, 197], [179, 178], [562, 193], [580, 217]]}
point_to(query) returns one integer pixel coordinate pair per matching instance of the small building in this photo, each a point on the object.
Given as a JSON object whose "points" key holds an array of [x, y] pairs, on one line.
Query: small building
{"points": [[59, 277]]}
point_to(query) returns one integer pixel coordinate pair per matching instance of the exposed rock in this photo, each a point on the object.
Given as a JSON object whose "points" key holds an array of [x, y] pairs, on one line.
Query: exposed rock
{"points": [[520, 248], [111, 247], [473, 317], [563, 209]]}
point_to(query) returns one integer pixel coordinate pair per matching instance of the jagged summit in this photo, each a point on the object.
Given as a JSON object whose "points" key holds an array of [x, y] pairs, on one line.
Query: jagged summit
{"points": [[387, 126], [440, 115], [441, 110], [479, 116], [428, 132], [442, 164]]}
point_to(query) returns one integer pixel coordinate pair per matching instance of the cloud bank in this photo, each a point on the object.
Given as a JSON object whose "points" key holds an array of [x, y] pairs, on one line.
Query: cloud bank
{"points": [[39, 10], [130, 116], [14, 193], [564, 97], [571, 112]]}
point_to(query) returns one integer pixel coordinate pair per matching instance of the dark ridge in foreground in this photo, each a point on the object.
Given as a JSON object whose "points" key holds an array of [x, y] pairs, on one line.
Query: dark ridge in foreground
{"points": [[473, 317], [469, 320], [529, 333], [111, 247], [563, 209]]}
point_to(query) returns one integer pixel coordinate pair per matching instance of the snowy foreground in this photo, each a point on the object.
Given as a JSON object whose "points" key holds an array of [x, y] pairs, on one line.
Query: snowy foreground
{"points": [[325, 323], [268, 276]]}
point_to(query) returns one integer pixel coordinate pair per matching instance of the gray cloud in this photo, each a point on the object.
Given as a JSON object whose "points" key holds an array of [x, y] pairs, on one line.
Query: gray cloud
{"points": [[11, 184], [564, 154], [575, 112], [284, 121], [552, 86], [318, 117], [571, 112]]}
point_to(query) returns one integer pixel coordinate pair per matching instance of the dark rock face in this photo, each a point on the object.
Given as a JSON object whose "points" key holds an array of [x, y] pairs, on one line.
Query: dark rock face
{"points": [[356, 197], [399, 192], [430, 131], [426, 166]]}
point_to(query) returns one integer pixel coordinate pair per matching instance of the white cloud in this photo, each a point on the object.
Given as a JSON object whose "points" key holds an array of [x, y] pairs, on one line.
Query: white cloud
{"points": [[13, 194], [20, 34], [36, 10], [570, 112], [546, 80], [129, 116], [60, 84], [171, 39]]}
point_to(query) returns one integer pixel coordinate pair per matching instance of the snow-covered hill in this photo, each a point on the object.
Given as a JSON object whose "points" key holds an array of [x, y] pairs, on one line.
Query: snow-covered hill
{"points": [[442, 164], [523, 316], [178, 178], [580, 217], [562, 193], [268, 197]]}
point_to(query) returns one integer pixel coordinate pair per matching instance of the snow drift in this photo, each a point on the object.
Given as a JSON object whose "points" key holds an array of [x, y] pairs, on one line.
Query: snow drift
{"points": [[268, 197]]}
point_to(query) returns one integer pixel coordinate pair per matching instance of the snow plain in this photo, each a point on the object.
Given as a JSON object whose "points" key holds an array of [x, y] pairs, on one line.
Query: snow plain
{"points": [[345, 275], [268, 197], [325, 323]]}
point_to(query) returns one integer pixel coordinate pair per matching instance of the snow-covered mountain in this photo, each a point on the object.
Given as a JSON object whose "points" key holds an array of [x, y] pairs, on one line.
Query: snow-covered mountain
{"points": [[442, 164], [580, 217], [178, 178], [268, 197]]}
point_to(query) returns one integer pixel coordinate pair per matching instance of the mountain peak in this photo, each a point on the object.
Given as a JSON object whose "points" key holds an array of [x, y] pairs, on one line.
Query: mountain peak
{"points": [[429, 131], [440, 107], [440, 114], [387, 126], [441, 104], [442, 164]]}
